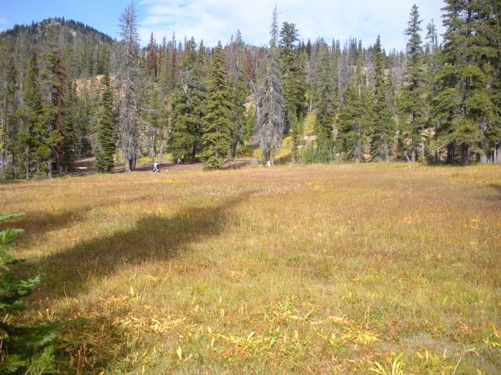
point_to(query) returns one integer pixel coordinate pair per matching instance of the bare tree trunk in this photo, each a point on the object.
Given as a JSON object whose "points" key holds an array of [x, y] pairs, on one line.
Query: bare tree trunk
{"points": [[450, 152], [464, 153], [49, 167], [497, 154]]}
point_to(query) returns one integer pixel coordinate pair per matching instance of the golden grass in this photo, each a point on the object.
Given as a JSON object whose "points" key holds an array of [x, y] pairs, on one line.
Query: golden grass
{"points": [[375, 268]]}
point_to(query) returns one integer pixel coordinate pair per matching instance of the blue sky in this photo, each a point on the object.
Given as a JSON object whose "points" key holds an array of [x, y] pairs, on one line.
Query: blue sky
{"points": [[214, 20]]}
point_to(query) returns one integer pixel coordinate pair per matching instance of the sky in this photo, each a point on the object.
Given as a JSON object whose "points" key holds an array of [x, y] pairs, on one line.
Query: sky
{"points": [[218, 20]]}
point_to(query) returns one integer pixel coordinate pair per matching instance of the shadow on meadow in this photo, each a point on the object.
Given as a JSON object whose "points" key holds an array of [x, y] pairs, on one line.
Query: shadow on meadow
{"points": [[497, 187], [39, 223], [152, 238]]}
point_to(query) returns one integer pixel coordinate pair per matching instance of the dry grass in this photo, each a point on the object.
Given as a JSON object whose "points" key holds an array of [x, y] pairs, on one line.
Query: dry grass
{"points": [[375, 268]]}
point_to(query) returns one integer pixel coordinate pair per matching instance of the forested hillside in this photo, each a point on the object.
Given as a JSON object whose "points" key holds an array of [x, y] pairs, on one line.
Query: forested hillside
{"points": [[68, 92]]}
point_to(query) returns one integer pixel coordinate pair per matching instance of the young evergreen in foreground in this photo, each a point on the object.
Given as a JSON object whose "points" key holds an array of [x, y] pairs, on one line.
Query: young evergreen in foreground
{"points": [[24, 348]]}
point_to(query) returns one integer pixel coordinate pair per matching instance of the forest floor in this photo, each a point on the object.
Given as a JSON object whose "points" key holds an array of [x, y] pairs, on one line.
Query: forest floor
{"points": [[85, 167], [342, 268]]}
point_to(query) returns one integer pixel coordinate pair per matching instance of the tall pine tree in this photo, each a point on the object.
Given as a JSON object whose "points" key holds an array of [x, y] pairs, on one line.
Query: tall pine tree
{"points": [[106, 127], [29, 136], [467, 105], [382, 129], [355, 115], [324, 123], [413, 101], [188, 107], [218, 127], [293, 76], [52, 123]]}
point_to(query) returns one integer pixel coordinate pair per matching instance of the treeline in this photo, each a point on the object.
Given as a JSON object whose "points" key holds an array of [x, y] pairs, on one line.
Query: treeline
{"points": [[69, 92]]}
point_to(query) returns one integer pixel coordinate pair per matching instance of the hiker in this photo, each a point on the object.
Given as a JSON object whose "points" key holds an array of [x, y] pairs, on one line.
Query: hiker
{"points": [[155, 167]]}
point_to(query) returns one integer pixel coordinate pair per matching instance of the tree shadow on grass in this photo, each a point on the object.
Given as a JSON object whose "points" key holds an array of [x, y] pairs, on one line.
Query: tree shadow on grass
{"points": [[38, 223], [497, 187], [153, 238]]}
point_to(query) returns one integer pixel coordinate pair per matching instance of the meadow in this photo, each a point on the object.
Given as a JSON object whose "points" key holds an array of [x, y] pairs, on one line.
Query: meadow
{"points": [[325, 269]]}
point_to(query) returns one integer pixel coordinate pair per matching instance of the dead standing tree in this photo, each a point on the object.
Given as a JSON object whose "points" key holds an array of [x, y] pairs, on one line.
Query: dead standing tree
{"points": [[271, 103]]}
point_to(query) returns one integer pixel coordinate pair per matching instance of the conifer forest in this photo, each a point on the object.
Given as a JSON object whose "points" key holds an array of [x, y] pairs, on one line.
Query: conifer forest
{"points": [[70, 92], [317, 207]]}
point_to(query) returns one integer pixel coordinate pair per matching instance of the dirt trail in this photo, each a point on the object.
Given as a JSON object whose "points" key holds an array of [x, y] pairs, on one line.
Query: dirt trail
{"points": [[84, 167]]}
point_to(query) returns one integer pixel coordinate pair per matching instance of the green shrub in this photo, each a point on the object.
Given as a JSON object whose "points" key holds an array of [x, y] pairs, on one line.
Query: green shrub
{"points": [[22, 349]]}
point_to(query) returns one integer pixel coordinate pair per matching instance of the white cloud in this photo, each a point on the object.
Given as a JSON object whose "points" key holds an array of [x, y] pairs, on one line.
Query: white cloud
{"points": [[214, 20], [3, 24]]}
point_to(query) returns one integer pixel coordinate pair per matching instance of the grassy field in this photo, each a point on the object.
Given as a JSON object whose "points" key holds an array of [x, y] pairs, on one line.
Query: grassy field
{"points": [[371, 268]]}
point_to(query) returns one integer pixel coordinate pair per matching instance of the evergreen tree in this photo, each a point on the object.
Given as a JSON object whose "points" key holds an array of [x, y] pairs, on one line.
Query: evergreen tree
{"points": [[188, 106], [239, 91], [84, 119], [20, 344], [382, 128], [432, 52], [52, 122], [128, 78], [270, 101], [413, 102], [467, 106], [293, 77], [9, 119], [30, 115], [324, 123], [218, 127], [173, 61], [69, 146], [106, 127], [355, 115]]}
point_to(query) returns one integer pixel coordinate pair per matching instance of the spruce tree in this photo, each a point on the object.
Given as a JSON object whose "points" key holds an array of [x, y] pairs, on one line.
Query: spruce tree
{"points": [[217, 131], [467, 106], [271, 110], [432, 52], [188, 106], [239, 91], [52, 123], [21, 345], [69, 146], [413, 100], [9, 119], [31, 112], [106, 127], [382, 127], [355, 115], [293, 76], [324, 123]]}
